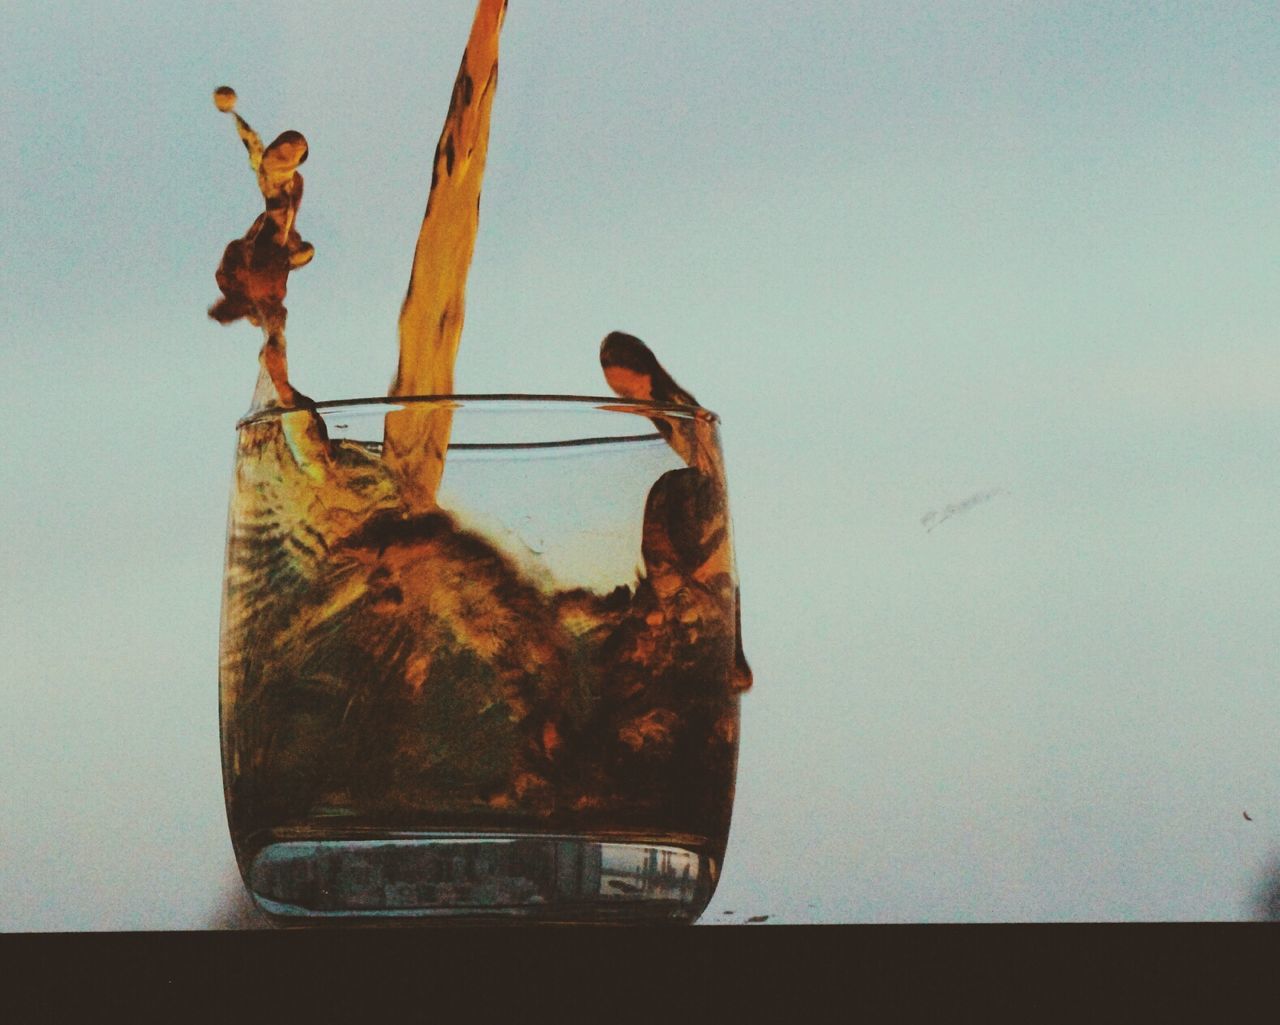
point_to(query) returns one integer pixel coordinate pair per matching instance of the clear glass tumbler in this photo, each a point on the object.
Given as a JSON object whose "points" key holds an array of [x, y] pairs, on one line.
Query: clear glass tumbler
{"points": [[520, 702]]}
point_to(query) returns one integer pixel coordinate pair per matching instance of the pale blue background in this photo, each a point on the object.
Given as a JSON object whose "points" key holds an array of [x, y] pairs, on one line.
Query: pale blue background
{"points": [[911, 252]]}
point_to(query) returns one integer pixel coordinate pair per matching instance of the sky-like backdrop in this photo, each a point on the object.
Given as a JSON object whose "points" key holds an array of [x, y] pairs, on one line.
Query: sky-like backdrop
{"points": [[985, 293]]}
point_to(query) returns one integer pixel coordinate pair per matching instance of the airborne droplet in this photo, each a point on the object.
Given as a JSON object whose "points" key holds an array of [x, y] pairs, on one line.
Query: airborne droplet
{"points": [[224, 98]]}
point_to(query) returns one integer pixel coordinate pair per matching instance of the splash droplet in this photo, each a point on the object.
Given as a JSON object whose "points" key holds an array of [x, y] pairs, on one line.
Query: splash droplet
{"points": [[224, 98]]}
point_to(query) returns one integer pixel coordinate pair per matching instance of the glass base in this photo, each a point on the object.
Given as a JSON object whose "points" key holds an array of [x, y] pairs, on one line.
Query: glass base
{"points": [[472, 878]]}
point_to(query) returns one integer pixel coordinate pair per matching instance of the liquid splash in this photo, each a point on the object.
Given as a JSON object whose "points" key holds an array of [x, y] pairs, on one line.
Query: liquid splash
{"points": [[383, 664]]}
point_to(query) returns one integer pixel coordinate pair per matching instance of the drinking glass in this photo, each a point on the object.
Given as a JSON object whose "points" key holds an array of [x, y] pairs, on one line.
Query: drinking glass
{"points": [[518, 703]]}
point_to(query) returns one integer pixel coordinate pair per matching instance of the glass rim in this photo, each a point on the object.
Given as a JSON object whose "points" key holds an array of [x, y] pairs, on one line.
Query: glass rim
{"points": [[600, 403]]}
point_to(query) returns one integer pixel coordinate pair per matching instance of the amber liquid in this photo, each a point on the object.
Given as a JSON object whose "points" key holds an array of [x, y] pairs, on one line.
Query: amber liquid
{"points": [[394, 688], [390, 675]]}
